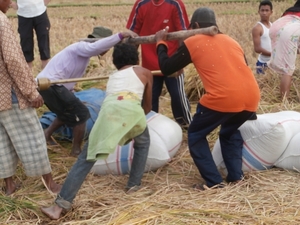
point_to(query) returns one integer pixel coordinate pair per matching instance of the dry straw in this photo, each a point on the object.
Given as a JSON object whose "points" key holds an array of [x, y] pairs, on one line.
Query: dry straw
{"points": [[263, 198]]}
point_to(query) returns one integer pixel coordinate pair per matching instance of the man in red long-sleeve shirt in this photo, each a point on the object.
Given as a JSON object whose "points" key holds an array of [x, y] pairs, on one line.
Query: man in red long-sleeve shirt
{"points": [[146, 18]]}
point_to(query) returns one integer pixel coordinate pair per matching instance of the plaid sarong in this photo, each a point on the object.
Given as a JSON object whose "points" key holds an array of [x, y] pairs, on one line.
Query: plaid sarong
{"points": [[22, 137]]}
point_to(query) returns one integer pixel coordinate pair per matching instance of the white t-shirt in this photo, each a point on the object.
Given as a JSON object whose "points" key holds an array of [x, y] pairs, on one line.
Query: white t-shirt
{"points": [[31, 8], [265, 42]]}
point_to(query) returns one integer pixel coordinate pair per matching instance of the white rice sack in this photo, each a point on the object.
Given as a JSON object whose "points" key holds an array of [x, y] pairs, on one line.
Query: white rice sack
{"points": [[290, 159], [265, 139], [165, 141]]}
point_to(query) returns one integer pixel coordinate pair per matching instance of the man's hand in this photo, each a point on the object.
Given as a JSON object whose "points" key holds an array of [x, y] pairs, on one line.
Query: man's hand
{"points": [[129, 33], [162, 34], [38, 102]]}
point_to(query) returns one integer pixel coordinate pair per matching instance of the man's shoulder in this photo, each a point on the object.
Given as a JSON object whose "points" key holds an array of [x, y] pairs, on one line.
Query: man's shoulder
{"points": [[257, 27], [3, 17]]}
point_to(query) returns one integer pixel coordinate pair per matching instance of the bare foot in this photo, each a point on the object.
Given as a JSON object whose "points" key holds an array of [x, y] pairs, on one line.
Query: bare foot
{"points": [[11, 188], [53, 212]]}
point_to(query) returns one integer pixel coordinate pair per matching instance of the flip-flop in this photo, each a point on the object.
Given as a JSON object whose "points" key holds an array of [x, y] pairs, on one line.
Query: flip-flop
{"points": [[48, 189]]}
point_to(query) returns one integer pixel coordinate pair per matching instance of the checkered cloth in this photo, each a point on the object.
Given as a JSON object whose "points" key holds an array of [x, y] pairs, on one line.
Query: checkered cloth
{"points": [[22, 137]]}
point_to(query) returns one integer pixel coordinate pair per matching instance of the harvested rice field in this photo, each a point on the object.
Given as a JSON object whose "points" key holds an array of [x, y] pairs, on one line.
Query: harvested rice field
{"points": [[266, 197]]}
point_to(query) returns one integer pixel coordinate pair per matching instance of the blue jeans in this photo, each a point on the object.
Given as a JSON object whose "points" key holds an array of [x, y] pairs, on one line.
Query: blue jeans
{"points": [[82, 167], [179, 102], [205, 121], [261, 67]]}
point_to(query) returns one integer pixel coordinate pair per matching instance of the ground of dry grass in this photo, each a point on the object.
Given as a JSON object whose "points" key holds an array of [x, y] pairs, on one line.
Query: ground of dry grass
{"points": [[265, 197]]}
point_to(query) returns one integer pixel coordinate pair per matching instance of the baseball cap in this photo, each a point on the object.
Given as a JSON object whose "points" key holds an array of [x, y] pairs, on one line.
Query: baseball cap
{"points": [[204, 16], [100, 32]]}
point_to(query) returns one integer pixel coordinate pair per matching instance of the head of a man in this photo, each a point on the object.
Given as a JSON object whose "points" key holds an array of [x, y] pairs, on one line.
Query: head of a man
{"points": [[125, 54], [265, 9], [4, 5], [203, 17], [100, 32]]}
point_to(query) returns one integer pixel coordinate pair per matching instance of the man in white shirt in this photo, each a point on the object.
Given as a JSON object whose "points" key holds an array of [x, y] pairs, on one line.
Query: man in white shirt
{"points": [[32, 15], [260, 36]]}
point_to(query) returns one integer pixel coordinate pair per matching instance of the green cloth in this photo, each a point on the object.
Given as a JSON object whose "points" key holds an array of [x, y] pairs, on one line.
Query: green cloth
{"points": [[119, 121]]}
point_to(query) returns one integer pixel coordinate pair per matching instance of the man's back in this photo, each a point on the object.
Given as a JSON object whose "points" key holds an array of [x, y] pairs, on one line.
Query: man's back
{"points": [[229, 82]]}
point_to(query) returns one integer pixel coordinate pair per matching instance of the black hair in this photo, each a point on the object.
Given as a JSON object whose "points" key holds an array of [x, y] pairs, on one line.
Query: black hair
{"points": [[266, 2], [125, 54], [295, 8]]}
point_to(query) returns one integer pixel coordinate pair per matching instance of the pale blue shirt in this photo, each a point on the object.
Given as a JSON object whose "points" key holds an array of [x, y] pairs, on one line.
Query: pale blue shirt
{"points": [[72, 61]]}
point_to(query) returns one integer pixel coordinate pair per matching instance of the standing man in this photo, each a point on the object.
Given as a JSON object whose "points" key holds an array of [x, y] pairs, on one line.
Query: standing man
{"points": [[146, 18], [21, 134], [71, 62], [285, 42], [32, 15], [231, 96], [122, 117], [260, 36]]}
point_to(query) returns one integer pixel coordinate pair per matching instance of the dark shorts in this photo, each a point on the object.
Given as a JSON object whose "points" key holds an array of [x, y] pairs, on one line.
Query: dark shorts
{"points": [[41, 25], [261, 67], [65, 105]]}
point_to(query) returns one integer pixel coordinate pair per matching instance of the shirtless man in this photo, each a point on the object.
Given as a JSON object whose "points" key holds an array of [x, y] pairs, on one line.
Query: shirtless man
{"points": [[128, 93], [260, 36]]}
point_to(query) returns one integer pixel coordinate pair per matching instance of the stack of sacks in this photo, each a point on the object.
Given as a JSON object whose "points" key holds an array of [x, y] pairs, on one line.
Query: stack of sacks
{"points": [[290, 159], [165, 141], [271, 140]]}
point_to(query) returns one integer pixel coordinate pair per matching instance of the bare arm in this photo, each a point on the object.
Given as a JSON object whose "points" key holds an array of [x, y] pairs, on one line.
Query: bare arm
{"points": [[147, 98], [256, 34], [46, 2], [146, 78]]}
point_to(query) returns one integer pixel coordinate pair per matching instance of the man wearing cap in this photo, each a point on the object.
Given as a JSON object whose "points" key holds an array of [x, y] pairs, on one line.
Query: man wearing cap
{"points": [[232, 95], [71, 62]]}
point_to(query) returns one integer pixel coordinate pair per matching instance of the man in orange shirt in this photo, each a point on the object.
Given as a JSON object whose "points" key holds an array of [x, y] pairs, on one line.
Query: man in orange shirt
{"points": [[231, 97]]}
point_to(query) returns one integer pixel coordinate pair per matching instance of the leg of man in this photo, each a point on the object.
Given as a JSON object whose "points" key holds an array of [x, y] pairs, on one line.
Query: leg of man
{"points": [[27, 142], [10, 186], [25, 29], [285, 85], [71, 186], [78, 135], [69, 110], [42, 28], [205, 121], [158, 82], [9, 158], [57, 123], [231, 143], [179, 102], [141, 149]]}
